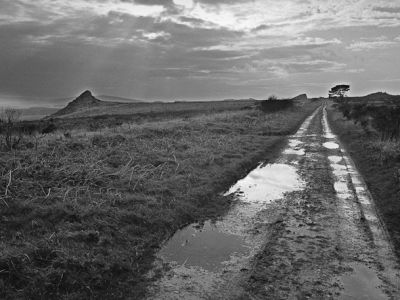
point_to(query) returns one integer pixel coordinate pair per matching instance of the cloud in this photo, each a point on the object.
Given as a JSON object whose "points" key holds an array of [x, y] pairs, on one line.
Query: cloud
{"points": [[151, 2], [219, 2], [389, 9], [381, 42]]}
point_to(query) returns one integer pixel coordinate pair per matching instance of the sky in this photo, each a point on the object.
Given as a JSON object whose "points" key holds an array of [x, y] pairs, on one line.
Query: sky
{"points": [[51, 50]]}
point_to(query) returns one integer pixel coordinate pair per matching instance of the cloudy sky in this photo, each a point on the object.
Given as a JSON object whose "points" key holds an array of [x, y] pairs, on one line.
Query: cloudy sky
{"points": [[196, 49]]}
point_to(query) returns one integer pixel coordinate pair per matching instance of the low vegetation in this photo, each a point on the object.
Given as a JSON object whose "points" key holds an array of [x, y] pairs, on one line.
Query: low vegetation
{"points": [[383, 120], [371, 134], [275, 104], [83, 212]]}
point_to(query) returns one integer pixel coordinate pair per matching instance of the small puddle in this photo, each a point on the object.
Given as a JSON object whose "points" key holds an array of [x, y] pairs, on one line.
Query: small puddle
{"points": [[362, 283], [205, 245], [293, 143], [267, 183], [295, 152], [331, 145], [335, 159]]}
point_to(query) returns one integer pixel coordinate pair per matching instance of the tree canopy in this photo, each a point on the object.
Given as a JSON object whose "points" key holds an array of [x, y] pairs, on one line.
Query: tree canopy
{"points": [[339, 90]]}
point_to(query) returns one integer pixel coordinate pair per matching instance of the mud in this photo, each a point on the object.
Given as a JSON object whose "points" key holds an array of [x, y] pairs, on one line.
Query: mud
{"points": [[304, 227]]}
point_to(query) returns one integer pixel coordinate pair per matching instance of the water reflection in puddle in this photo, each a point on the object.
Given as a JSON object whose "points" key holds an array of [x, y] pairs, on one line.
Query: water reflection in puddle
{"points": [[295, 152], [331, 145], [362, 284], [267, 183], [335, 159], [206, 246], [293, 143]]}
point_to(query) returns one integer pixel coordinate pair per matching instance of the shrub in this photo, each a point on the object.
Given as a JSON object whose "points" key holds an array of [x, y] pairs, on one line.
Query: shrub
{"points": [[272, 97], [49, 128], [273, 104], [384, 119], [10, 129]]}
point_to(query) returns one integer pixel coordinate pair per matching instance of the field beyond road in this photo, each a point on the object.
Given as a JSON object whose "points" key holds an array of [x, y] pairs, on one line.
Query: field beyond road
{"points": [[83, 214]]}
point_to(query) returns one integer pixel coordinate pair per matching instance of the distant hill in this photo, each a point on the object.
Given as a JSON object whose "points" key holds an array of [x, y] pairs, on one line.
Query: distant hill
{"points": [[85, 101], [376, 99], [380, 96], [301, 97], [36, 113]]}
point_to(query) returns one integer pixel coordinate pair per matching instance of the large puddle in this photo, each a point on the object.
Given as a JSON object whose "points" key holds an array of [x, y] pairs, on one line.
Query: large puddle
{"points": [[203, 245], [362, 283], [331, 145], [267, 183]]}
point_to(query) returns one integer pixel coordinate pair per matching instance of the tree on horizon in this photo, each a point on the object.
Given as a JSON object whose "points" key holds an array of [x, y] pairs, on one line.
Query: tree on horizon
{"points": [[339, 91]]}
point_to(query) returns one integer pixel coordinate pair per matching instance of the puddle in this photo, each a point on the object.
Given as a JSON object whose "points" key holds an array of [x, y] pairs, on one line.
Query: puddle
{"points": [[293, 143], [335, 159], [331, 145], [295, 152], [207, 246], [362, 283], [328, 134], [267, 183], [341, 188]]}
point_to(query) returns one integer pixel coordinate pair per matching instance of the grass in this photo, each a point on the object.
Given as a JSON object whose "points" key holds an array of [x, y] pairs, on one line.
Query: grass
{"points": [[82, 215], [157, 108], [379, 163]]}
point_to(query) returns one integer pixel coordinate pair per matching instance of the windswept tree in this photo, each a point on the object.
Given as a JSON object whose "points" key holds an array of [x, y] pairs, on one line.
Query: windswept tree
{"points": [[339, 91], [9, 120]]}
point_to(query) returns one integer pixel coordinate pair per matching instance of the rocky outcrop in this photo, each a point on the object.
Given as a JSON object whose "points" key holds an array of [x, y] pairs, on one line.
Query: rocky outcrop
{"points": [[301, 97], [85, 101]]}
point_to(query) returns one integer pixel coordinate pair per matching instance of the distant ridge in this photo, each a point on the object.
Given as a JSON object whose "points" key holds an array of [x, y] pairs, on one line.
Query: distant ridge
{"points": [[380, 96], [301, 97], [118, 99]]}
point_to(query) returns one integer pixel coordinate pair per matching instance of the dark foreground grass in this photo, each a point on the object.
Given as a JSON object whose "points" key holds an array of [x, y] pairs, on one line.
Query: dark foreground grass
{"points": [[379, 163], [81, 217]]}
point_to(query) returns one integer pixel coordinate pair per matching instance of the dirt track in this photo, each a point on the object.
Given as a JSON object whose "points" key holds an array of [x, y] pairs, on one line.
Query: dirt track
{"points": [[302, 228]]}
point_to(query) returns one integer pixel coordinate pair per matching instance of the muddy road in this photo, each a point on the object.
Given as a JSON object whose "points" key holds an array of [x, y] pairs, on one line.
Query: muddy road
{"points": [[303, 227]]}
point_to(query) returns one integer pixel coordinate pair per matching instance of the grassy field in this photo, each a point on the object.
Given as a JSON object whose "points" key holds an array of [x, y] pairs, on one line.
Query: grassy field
{"points": [[379, 163], [156, 108], [83, 214]]}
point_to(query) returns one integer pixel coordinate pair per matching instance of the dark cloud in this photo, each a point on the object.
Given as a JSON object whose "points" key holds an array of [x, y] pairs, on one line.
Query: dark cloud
{"points": [[150, 2], [261, 28], [218, 2], [193, 21], [392, 10], [219, 54]]}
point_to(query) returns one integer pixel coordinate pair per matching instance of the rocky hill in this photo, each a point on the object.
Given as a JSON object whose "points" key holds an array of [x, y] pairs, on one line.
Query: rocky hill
{"points": [[301, 97], [85, 101]]}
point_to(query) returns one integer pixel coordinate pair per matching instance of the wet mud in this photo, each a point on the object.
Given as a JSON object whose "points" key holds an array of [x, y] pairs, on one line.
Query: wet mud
{"points": [[303, 227]]}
